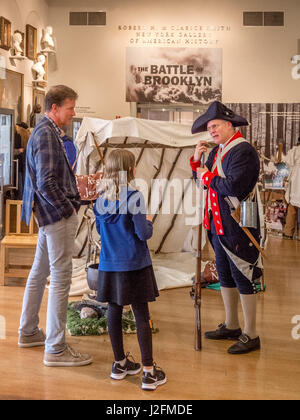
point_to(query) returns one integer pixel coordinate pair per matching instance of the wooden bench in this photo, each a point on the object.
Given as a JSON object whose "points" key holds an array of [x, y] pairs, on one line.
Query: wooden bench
{"points": [[17, 236]]}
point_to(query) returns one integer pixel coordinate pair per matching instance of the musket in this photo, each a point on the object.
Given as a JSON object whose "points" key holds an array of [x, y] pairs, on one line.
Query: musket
{"points": [[197, 289], [197, 292]]}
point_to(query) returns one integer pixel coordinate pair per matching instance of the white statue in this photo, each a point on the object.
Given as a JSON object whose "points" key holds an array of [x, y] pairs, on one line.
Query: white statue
{"points": [[38, 67], [47, 39], [17, 40]]}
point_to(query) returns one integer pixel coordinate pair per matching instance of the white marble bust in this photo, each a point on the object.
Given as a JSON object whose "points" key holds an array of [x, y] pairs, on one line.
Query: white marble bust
{"points": [[17, 40], [38, 67], [47, 42]]}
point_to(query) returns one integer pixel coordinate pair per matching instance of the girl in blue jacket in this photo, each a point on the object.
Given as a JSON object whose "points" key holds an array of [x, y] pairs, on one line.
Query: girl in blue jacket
{"points": [[126, 274]]}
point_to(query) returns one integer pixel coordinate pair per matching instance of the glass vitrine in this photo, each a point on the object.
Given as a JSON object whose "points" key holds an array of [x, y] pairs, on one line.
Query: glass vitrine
{"points": [[7, 144]]}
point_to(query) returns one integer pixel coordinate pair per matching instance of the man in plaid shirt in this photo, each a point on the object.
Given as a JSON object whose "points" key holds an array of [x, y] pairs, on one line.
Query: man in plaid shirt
{"points": [[50, 191]]}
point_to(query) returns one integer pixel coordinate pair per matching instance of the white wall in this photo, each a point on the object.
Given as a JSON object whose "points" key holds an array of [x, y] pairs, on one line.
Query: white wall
{"points": [[256, 61], [20, 13]]}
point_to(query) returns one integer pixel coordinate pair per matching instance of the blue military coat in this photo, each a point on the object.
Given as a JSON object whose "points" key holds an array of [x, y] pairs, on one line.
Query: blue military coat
{"points": [[241, 169]]}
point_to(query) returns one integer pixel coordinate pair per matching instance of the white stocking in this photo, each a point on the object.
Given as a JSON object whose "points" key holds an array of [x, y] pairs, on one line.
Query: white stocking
{"points": [[249, 310], [230, 298]]}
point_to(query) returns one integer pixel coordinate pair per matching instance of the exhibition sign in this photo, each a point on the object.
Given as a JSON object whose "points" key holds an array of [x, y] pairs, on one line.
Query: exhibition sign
{"points": [[174, 75]]}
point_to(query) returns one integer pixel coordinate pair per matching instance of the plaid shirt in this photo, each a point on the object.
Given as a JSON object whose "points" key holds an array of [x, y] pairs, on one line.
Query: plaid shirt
{"points": [[49, 182]]}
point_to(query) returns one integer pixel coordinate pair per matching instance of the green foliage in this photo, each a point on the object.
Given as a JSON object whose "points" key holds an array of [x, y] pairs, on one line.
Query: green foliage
{"points": [[97, 326]]}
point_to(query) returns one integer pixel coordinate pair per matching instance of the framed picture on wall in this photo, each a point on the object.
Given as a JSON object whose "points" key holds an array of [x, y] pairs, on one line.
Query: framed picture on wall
{"points": [[31, 42], [11, 93], [38, 98], [5, 33]]}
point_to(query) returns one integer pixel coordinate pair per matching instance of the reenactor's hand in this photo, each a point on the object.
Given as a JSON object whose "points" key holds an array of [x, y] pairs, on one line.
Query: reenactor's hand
{"points": [[200, 148]]}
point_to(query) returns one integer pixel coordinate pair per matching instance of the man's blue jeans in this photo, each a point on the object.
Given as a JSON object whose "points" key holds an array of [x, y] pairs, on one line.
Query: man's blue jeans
{"points": [[53, 256]]}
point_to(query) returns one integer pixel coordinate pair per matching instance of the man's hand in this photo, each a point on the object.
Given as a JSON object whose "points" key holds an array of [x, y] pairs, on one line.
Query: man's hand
{"points": [[200, 148], [149, 217], [201, 171]]}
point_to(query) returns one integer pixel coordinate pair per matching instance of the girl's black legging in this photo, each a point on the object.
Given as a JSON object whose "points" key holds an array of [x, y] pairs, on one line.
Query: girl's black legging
{"points": [[144, 333]]}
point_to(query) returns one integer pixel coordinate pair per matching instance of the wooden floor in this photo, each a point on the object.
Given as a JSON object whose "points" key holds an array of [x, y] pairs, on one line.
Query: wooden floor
{"points": [[272, 373]]}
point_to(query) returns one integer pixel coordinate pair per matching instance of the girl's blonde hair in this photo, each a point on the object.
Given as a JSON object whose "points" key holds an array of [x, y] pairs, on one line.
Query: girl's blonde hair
{"points": [[119, 167]]}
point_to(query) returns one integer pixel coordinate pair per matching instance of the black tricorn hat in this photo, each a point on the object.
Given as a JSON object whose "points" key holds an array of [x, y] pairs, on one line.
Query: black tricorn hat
{"points": [[217, 111]]}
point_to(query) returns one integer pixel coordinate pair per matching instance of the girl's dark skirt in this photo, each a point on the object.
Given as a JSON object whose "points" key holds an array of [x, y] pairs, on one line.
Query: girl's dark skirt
{"points": [[127, 287]]}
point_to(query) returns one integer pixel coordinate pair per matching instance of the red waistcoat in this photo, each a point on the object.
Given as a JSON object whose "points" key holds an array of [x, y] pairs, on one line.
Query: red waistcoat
{"points": [[206, 180]]}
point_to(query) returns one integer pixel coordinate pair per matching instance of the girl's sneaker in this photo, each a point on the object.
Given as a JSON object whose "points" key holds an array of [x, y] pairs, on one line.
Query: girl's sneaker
{"points": [[130, 368], [151, 382]]}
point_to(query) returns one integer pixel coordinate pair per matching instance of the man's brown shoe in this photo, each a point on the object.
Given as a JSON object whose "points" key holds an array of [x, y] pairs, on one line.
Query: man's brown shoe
{"points": [[69, 357], [223, 333], [35, 340]]}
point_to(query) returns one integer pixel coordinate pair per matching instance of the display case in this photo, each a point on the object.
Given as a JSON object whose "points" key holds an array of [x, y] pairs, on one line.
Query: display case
{"points": [[1, 193], [73, 128], [76, 123], [7, 144]]}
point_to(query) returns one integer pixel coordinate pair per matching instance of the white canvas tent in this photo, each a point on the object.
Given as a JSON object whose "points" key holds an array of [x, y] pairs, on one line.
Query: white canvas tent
{"points": [[162, 151]]}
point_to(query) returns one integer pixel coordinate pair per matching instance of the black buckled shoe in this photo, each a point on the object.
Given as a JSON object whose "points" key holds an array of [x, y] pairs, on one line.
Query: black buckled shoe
{"points": [[245, 345], [223, 333]]}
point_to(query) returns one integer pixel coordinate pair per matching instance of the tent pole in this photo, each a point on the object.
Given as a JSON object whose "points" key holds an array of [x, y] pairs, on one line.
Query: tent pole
{"points": [[168, 179], [156, 174], [173, 220], [140, 154]]}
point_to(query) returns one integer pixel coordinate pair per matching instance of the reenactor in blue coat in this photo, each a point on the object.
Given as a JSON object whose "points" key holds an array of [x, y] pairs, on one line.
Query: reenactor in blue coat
{"points": [[230, 175]]}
